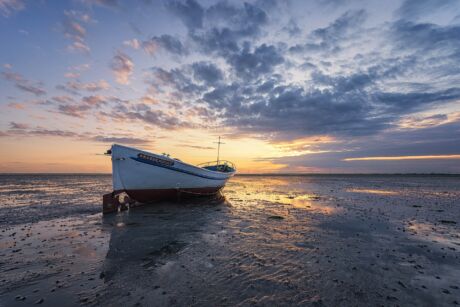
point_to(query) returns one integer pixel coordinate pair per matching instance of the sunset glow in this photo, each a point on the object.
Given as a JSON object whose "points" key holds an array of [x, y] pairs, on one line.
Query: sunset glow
{"points": [[289, 86]]}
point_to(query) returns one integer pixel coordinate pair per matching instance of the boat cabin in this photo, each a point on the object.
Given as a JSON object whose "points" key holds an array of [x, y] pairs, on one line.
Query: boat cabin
{"points": [[222, 166]]}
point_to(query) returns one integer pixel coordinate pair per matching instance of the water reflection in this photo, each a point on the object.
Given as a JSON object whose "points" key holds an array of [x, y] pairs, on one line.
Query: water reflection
{"points": [[153, 234], [27, 190], [222, 253], [275, 241], [434, 232], [292, 192], [31, 198], [372, 191]]}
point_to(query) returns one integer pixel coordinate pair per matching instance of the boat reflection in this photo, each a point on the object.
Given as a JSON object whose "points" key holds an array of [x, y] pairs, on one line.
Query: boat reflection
{"points": [[151, 234]]}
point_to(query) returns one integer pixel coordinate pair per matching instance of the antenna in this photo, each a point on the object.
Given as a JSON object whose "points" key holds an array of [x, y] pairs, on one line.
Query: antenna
{"points": [[218, 149]]}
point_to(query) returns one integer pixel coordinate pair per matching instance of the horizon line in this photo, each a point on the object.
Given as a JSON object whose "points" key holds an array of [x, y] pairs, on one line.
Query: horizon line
{"points": [[254, 174]]}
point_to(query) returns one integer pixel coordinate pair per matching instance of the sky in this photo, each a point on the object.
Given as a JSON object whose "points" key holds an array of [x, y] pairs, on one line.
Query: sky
{"points": [[320, 86]]}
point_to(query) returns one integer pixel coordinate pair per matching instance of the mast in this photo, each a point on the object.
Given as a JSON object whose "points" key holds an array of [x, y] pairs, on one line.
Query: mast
{"points": [[218, 150]]}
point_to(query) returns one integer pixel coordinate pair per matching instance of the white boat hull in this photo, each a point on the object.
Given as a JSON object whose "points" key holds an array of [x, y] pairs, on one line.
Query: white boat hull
{"points": [[147, 177]]}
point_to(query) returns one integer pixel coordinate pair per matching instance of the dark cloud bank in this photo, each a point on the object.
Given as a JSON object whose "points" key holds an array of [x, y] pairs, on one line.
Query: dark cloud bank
{"points": [[357, 95]]}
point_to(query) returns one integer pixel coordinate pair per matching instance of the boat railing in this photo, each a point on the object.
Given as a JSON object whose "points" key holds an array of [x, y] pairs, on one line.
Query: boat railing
{"points": [[214, 163]]}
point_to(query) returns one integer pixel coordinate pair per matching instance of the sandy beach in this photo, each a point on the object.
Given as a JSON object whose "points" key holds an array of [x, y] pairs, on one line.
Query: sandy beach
{"points": [[274, 240]]}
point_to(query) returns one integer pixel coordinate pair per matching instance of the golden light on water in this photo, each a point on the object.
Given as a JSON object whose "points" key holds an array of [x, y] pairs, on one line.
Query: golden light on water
{"points": [[252, 191], [425, 232], [373, 191]]}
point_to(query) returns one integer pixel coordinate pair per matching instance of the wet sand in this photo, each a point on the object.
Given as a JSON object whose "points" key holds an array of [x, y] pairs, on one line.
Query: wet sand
{"points": [[298, 240]]}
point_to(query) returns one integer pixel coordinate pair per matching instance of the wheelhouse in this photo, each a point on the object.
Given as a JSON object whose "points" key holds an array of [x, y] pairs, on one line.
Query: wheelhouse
{"points": [[222, 166]]}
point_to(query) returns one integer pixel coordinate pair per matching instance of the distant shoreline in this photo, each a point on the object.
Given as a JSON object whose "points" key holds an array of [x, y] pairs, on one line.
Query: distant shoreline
{"points": [[262, 174]]}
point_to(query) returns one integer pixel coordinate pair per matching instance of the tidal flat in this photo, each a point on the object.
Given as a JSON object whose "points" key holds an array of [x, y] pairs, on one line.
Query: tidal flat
{"points": [[319, 240]]}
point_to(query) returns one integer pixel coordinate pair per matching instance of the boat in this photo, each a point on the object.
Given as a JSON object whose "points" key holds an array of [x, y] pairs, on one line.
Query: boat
{"points": [[147, 177]]}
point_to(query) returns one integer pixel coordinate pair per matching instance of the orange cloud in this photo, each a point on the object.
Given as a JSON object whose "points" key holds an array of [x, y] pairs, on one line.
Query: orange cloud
{"points": [[133, 43], [149, 100], [16, 105], [122, 67], [304, 145], [404, 158]]}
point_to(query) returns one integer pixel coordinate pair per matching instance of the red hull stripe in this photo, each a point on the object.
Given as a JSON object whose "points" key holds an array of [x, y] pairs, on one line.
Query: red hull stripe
{"points": [[149, 195]]}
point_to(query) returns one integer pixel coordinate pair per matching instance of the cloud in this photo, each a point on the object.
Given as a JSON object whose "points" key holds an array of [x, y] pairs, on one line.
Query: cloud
{"points": [[105, 3], [148, 114], [94, 100], [429, 141], [24, 130], [417, 122], [74, 72], [71, 75], [16, 105], [414, 9], [375, 84], [120, 140], [348, 83], [333, 3], [190, 12], [349, 105], [23, 84], [227, 26], [122, 66], [133, 43], [341, 26], [73, 29], [81, 67], [42, 132], [355, 100], [31, 88], [292, 112], [196, 147], [178, 80], [78, 110], [19, 126], [167, 42], [148, 99], [338, 89], [206, 72], [292, 28], [63, 99], [425, 36], [401, 103], [261, 61], [79, 46], [8, 7], [397, 158], [161, 119], [330, 38], [68, 106], [75, 86]]}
